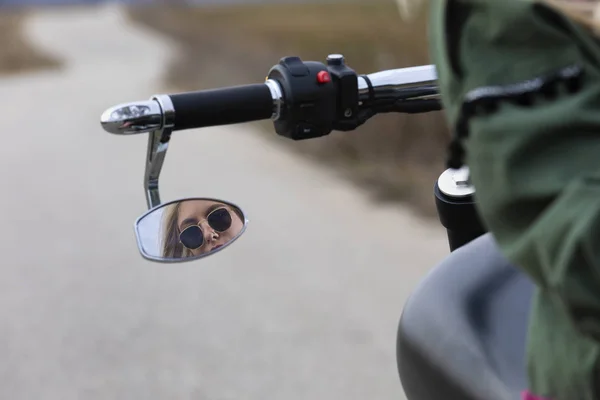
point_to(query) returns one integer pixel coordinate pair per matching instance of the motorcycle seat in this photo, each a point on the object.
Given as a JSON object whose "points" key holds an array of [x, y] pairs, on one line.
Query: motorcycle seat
{"points": [[463, 330]]}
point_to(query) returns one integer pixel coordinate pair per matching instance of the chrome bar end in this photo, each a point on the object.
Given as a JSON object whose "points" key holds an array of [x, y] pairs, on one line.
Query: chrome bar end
{"points": [[133, 118]]}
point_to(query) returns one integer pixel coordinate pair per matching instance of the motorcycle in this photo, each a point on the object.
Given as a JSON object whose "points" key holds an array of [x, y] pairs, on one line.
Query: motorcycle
{"points": [[462, 331]]}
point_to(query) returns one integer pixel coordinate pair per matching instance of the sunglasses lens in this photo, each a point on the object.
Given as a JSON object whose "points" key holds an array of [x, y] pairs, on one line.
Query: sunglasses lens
{"points": [[192, 237], [220, 220]]}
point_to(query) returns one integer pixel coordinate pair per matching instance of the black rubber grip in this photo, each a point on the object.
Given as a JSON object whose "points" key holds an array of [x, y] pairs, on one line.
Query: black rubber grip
{"points": [[232, 105]]}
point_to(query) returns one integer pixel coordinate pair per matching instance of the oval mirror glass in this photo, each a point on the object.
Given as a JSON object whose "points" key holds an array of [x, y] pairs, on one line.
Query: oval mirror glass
{"points": [[188, 229]]}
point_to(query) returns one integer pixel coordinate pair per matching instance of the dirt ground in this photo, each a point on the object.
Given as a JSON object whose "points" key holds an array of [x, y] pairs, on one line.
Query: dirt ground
{"points": [[17, 54]]}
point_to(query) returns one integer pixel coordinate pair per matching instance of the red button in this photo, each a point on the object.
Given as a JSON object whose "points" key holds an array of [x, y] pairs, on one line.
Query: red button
{"points": [[323, 77]]}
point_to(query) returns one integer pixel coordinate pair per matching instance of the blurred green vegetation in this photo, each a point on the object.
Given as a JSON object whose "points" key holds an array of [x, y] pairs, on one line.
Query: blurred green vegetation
{"points": [[397, 157], [16, 53]]}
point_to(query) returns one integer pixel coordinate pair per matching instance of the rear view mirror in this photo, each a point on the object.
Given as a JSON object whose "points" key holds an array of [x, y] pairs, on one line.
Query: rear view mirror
{"points": [[188, 229], [181, 230]]}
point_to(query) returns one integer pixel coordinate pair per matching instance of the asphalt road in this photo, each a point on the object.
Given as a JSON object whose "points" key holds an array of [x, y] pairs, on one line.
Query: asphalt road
{"points": [[304, 306]]}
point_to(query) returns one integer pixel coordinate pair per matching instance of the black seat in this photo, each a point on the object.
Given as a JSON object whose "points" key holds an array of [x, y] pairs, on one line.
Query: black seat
{"points": [[463, 331]]}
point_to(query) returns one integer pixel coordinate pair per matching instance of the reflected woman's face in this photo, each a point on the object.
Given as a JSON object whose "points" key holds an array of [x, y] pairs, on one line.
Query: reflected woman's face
{"points": [[218, 224]]}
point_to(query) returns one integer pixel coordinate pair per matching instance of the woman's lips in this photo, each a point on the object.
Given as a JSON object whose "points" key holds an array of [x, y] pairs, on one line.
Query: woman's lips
{"points": [[216, 247]]}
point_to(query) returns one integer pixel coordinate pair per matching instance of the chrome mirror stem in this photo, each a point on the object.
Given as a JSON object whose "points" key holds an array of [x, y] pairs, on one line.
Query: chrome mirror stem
{"points": [[158, 144]]}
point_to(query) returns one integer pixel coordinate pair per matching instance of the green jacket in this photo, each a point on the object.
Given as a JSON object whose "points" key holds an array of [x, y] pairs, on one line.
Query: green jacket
{"points": [[533, 148]]}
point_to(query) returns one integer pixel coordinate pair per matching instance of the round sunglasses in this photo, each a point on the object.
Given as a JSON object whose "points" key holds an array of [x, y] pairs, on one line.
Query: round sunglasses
{"points": [[192, 237]]}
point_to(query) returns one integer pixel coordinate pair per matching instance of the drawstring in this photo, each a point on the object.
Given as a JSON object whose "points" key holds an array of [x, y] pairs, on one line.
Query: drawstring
{"points": [[485, 100], [456, 154], [456, 149]]}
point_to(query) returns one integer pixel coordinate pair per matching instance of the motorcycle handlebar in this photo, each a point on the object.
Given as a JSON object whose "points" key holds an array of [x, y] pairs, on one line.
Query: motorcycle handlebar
{"points": [[409, 90], [214, 107], [416, 83]]}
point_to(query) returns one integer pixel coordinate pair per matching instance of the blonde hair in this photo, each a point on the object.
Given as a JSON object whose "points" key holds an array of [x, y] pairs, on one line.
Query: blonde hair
{"points": [[171, 246], [587, 13]]}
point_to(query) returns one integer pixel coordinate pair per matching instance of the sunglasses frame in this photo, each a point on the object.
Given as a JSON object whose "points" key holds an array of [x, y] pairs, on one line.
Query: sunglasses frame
{"points": [[198, 225], [164, 260]]}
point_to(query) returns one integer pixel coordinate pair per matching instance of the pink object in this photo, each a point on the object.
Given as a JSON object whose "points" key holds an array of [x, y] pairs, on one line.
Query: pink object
{"points": [[525, 395]]}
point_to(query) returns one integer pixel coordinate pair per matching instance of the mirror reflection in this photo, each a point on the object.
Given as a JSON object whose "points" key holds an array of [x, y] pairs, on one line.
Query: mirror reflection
{"points": [[188, 229]]}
